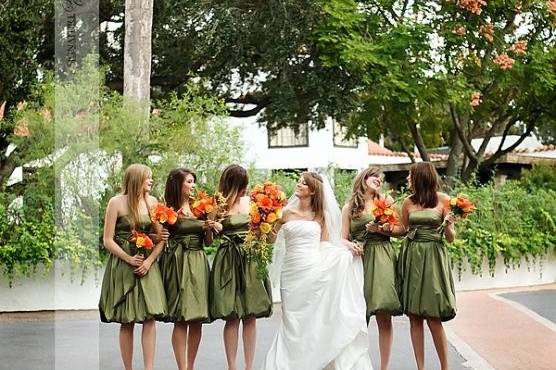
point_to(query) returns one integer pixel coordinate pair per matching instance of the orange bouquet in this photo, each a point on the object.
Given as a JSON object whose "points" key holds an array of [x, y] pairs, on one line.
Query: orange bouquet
{"points": [[384, 212], [267, 202], [206, 207], [460, 206], [162, 214], [142, 241]]}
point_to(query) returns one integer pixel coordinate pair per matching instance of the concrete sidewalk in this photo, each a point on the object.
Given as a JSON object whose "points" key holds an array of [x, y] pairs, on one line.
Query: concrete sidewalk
{"points": [[510, 329], [78, 341]]}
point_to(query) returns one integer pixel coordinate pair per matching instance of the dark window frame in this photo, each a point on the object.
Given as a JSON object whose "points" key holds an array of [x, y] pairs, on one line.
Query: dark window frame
{"points": [[270, 146]]}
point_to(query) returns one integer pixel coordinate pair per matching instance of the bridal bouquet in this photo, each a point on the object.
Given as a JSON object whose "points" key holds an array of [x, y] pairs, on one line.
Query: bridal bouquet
{"points": [[267, 202], [141, 241], [162, 214], [384, 212]]}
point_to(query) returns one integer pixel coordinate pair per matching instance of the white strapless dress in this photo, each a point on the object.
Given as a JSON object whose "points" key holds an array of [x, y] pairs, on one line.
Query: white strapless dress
{"points": [[323, 307]]}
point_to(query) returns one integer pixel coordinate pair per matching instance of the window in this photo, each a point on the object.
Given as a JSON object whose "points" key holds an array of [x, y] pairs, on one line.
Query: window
{"points": [[288, 137], [339, 137]]}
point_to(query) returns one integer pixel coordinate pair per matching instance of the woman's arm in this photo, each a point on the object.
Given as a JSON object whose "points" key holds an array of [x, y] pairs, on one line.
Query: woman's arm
{"points": [[210, 227], [277, 226], [146, 265], [448, 219], [353, 246]]}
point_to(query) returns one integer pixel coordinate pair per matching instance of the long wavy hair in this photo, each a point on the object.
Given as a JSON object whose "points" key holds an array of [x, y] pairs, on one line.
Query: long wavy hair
{"points": [[314, 182], [174, 183], [357, 200], [233, 184], [134, 178], [425, 184]]}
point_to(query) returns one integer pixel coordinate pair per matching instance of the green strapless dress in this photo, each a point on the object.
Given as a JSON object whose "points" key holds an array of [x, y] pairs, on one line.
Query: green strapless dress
{"points": [[425, 269], [126, 297], [185, 272], [381, 286], [235, 290]]}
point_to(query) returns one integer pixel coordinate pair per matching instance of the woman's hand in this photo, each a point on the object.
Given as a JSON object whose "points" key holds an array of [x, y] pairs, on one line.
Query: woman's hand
{"points": [[212, 225], [449, 219], [355, 248], [143, 269], [372, 227], [161, 235], [386, 229], [136, 260]]}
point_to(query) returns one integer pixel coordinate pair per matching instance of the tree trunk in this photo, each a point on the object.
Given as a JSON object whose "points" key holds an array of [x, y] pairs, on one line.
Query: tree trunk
{"points": [[453, 165], [419, 142], [137, 52]]}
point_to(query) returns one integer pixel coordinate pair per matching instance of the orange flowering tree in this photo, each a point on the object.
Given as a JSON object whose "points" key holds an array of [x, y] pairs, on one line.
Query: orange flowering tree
{"points": [[437, 73]]}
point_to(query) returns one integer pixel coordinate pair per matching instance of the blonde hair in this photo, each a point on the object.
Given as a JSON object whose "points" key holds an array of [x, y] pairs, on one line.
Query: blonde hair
{"points": [[134, 178], [357, 200]]}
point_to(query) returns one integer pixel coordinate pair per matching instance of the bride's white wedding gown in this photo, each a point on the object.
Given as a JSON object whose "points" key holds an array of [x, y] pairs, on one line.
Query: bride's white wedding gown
{"points": [[323, 307]]}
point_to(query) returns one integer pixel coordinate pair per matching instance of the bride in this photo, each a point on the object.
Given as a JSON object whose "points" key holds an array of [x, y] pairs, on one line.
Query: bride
{"points": [[321, 284]]}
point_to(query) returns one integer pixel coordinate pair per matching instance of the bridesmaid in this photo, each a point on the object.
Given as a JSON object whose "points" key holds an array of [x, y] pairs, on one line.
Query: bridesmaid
{"points": [[185, 269], [427, 285], [132, 290], [379, 259], [235, 291]]}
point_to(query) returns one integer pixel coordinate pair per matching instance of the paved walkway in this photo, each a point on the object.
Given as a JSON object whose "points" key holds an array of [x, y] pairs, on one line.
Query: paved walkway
{"points": [[511, 329]]}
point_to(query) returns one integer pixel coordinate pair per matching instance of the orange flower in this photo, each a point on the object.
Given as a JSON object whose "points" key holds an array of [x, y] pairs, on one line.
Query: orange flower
{"points": [[162, 214], [267, 203], [141, 240], [203, 205], [504, 61], [551, 5], [473, 6], [520, 47], [476, 99], [384, 212], [487, 31], [460, 206]]}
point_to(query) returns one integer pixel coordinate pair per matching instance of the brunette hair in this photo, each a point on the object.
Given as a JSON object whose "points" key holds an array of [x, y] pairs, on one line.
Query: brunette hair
{"points": [[233, 184], [425, 184], [174, 183]]}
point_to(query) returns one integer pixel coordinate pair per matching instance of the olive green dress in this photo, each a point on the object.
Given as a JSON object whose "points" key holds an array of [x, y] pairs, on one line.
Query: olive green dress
{"points": [[235, 290], [185, 272], [125, 297], [379, 265], [425, 269]]}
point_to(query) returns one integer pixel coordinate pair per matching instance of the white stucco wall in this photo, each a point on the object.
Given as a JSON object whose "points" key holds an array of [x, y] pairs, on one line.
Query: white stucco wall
{"points": [[57, 291], [320, 153]]}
